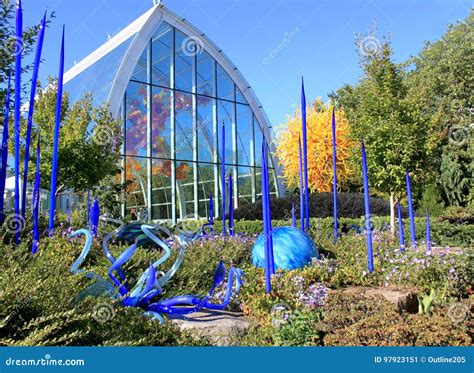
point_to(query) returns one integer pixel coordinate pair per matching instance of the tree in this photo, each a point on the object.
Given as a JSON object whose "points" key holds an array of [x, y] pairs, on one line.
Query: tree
{"points": [[382, 114], [441, 83], [320, 173], [89, 143]]}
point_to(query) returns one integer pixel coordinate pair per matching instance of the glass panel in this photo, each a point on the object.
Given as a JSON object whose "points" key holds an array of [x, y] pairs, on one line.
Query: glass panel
{"points": [[229, 170], [184, 190], [271, 181], [225, 85], [205, 74], [161, 189], [239, 97], [161, 122], [205, 188], [136, 125], [244, 134], [140, 72], [98, 78], [183, 62], [258, 181], [245, 181], [258, 143], [161, 54], [184, 126], [205, 127], [136, 171], [225, 113]]}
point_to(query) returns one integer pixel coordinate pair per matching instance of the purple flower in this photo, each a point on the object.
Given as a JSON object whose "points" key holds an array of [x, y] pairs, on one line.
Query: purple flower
{"points": [[298, 281], [313, 296]]}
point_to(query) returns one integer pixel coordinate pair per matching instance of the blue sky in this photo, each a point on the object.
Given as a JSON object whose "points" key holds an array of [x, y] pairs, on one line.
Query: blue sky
{"points": [[316, 37]]}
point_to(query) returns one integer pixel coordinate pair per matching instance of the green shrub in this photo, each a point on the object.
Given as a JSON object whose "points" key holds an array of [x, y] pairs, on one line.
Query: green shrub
{"points": [[443, 233], [458, 215], [350, 205], [300, 330], [37, 296]]}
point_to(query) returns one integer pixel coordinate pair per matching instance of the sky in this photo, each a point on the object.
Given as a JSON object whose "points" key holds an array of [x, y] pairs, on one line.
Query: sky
{"points": [[272, 42]]}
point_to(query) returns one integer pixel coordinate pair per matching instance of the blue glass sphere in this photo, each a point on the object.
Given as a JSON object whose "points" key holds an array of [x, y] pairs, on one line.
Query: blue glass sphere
{"points": [[292, 248]]}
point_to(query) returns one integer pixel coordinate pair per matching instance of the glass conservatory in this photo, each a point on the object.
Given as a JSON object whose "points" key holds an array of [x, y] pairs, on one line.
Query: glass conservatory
{"points": [[175, 91]]}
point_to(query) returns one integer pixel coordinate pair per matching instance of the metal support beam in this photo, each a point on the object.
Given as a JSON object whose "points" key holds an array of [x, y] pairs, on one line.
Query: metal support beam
{"points": [[149, 115]]}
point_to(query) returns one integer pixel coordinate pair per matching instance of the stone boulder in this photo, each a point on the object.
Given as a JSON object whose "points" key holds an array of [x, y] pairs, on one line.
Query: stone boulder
{"points": [[220, 327]]}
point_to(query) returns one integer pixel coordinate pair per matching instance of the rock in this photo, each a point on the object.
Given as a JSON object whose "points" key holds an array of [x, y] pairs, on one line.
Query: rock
{"points": [[221, 327], [405, 299]]}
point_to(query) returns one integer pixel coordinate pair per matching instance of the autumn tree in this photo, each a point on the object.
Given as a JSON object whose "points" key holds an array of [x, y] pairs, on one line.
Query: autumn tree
{"points": [[319, 136]]}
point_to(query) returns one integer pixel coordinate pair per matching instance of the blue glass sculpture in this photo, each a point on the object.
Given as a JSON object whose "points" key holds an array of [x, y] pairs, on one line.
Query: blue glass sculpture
{"points": [[292, 248], [149, 287]]}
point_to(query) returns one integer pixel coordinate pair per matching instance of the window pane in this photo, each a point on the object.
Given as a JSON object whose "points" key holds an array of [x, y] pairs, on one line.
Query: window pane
{"points": [[244, 134], [205, 74], [239, 97], [162, 49], [161, 123], [136, 126], [140, 72], [225, 114], [184, 126], [98, 77], [271, 181], [184, 189], [258, 182], [245, 182], [161, 189], [183, 62], [136, 171], [205, 127], [205, 188], [258, 143], [229, 170], [225, 85]]}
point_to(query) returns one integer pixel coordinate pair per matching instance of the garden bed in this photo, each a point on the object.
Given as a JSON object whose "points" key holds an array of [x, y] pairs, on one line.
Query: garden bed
{"points": [[332, 301]]}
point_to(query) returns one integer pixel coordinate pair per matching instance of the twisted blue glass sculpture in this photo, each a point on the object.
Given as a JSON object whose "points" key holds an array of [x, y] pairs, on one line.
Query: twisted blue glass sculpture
{"points": [[148, 286]]}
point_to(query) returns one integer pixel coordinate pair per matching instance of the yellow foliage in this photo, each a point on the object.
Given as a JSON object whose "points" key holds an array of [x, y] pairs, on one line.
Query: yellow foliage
{"points": [[319, 137]]}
